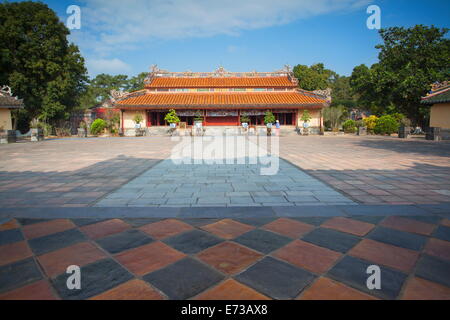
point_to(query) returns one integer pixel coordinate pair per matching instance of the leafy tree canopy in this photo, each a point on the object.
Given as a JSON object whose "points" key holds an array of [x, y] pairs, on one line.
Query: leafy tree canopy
{"points": [[410, 60], [37, 61]]}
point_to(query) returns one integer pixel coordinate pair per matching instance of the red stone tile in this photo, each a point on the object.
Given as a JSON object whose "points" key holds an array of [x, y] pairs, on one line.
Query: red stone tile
{"points": [[229, 257], [41, 229], [308, 256], [132, 290], [14, 252], [104, 228], [327, 289], [288, 227], [11, 224], [165, 228], [385, 254], [421, 289], [39, 290], [408, 225], [148, 258], [438, 248], [227, 228], [80, 254], [231, 290], [445, 222], [347, 225]]}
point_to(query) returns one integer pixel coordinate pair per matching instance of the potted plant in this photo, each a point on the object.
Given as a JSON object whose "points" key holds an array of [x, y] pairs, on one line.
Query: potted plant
{"points": [[269, 119], [172, 118], [198, 119], [37, 133], [245, 119], [82, 130], [306, 117], [137, 120]]}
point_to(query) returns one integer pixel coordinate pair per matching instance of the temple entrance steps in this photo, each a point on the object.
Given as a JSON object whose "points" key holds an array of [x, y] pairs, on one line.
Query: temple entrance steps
{"points": [[220, 131]]}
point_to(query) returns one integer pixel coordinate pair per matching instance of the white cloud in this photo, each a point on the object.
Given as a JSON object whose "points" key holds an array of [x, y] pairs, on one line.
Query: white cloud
{"points": [[111, 66], [116, 24]]}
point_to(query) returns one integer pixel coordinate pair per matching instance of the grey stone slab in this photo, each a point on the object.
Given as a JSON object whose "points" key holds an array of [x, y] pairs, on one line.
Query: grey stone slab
{"points": [[56, 241], [262, 241], [10, 236], [331, 239], [242, 200], [309, 211], [442, 232], [86, 221], [434, 269], [397, 238], [18, 274], [316, 221], [352, 271], [301, 199], [377, 210], [124, 241], [276, 279], [181, 201], [184, 279], [270, 199], [96, 278], [192, 242]]}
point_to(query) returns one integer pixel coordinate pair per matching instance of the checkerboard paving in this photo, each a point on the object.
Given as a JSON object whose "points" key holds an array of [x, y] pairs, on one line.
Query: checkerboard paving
{"points": [[243, 258]]}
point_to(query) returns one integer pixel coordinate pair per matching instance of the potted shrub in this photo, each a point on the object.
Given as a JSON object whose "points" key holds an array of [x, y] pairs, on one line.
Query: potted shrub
{"points": [[172, 118], [37, 133], [137, 120], [349, 126], [98, 126], [198, 119], [306, 117], [245, 120], [82, 130], [269, 119], [361, 128]]}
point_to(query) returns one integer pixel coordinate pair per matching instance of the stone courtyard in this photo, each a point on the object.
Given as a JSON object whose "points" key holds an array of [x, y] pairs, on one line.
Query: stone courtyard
{"points": [[142, 227]]}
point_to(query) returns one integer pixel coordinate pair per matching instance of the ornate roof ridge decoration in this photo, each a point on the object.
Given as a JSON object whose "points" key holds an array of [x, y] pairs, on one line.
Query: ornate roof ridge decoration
{"points": [[220, 72], [325, 93], [437, 86]]}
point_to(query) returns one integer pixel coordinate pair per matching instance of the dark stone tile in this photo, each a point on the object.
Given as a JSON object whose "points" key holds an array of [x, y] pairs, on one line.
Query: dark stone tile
{"points": [[184, 279], [432, 219], [192, 241], [262, 241], [436, 208], [18, 274], [276, 279], [309, 211], [55, 241], [369, 219], [442, 232], [96, 277], [10, 236], [256, 221], [397, 238], [225, 212], [434, 269], [139, 222], [86, 221], [332, 239], [199, 222], [315, 221], [352, 271], [123, 241], [27, 221]]}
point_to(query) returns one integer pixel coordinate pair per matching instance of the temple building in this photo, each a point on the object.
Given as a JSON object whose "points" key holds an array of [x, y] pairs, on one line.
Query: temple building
{"points": [[220, 98]]}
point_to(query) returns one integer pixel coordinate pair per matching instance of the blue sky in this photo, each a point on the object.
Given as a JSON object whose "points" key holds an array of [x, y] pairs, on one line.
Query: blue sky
{"points": [[264, 35]]}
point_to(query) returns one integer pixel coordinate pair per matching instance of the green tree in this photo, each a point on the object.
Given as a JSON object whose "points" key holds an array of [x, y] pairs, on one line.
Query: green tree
{"points": [[410, 60], [315, 77], [38, 62], [137, 82]]}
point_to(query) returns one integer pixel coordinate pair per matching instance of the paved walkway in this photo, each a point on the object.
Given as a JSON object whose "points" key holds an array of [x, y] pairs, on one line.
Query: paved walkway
{"points": [[189, 185], [242, 258]]}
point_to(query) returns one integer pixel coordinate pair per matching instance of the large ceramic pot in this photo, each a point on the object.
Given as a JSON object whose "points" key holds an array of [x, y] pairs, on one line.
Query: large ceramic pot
{"points": [[37, 134]]}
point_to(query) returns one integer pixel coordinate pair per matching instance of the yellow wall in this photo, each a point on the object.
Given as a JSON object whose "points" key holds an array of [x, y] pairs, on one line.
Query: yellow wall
{"points": [[440, 115], [128, 116], [5, 119], [315, 118]]}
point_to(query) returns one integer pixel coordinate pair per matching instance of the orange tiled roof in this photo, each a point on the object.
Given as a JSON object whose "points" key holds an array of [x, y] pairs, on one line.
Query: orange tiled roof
{"points": [[289, 98], [228, 82]]}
